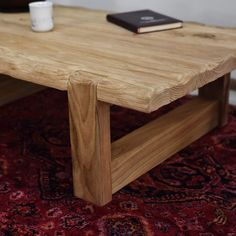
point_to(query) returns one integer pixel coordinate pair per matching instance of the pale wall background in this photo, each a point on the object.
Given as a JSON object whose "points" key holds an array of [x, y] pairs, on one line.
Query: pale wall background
{"points": [[216, 12]]}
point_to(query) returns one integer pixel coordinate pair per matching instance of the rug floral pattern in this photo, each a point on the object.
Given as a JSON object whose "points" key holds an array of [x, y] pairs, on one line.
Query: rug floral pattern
{"points": [[192, 193]]}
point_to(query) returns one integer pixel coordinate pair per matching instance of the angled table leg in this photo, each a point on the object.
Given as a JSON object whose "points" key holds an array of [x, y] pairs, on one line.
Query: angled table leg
{"points": [[90, 142], [218, 90]]}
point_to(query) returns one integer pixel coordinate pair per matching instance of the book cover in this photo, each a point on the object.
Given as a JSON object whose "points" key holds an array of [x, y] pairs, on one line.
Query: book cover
{"points": [[144, 21]]}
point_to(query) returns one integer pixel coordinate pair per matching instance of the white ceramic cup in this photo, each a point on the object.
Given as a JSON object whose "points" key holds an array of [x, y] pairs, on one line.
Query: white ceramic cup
{"points": [[41, 15]]}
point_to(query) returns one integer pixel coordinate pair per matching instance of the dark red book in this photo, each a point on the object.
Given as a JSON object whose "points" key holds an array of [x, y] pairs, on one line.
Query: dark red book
{"points": [[144, 21]]}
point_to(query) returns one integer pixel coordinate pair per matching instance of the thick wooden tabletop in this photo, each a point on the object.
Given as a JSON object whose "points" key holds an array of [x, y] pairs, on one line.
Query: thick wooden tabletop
{"points": [[142, 72]]}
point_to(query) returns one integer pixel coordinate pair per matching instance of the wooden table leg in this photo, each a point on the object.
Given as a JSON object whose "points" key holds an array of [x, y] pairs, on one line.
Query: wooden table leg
{"points": [[219, 90], [90, 142]]}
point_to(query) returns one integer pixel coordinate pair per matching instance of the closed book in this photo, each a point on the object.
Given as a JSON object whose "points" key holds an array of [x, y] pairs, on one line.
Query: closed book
{"points": [[144, 21]]}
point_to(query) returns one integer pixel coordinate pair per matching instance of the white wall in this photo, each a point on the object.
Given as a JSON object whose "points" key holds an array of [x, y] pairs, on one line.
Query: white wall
{"points": [[216, 12], [209, 11]]}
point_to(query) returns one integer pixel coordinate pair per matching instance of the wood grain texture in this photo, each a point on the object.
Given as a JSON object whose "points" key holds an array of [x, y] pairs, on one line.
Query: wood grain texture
{"points": [[142, 72], [218, 90], [90, 142], [148, 146], [12, 89]]}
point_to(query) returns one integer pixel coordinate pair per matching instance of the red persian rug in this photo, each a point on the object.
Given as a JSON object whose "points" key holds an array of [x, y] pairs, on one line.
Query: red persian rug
{"points": [[192, 193]]}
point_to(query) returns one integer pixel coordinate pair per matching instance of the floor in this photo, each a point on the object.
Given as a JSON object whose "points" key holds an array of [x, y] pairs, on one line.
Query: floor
{"points": [[191, 194]]}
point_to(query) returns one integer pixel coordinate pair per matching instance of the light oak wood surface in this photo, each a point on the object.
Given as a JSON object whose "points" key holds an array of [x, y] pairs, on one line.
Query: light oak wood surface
{"points": [[142, 72]]}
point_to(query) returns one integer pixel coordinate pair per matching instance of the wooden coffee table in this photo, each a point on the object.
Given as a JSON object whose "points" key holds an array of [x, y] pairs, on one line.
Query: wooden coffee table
{"points": [[100, 64]]}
